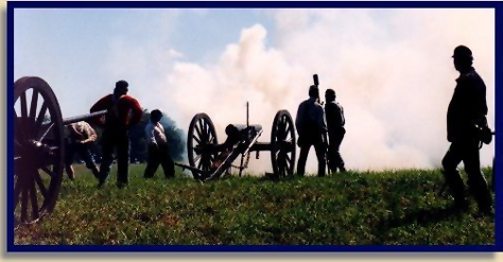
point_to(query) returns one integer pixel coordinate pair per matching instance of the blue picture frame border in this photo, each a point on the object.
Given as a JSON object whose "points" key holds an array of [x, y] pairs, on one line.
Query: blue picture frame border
{"points": [[497, 6]]}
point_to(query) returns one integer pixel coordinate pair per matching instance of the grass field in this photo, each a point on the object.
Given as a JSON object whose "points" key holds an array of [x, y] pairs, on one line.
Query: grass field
{"points": [[369, 208]]}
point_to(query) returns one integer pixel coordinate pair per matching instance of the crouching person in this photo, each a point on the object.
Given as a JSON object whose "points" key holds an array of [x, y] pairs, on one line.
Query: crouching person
{"points": [[158, 152], [80, 136]]}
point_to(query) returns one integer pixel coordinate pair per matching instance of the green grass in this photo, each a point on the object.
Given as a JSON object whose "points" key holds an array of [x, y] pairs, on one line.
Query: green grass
{"points": [[368, 208]]}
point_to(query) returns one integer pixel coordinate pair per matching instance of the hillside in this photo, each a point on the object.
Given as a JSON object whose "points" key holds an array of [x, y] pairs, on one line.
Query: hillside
{"points": [[369, 208]]}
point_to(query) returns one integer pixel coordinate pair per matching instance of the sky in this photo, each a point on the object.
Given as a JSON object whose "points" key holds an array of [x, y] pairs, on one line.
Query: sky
{"points": [[391, 68]]}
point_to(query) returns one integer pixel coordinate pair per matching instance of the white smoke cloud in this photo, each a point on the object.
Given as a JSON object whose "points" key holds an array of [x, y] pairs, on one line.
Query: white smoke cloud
{"points": [[391, 70]]}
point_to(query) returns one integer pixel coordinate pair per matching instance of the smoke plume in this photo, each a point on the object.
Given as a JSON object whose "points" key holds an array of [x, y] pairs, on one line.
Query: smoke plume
{"points": [[391, 69]]}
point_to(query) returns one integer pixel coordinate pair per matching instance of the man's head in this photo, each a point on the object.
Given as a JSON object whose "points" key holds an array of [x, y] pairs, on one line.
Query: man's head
{"points": [[232, 131], [314, 92], [329, 95], [155, 115], [121, 88], [463, 58]]}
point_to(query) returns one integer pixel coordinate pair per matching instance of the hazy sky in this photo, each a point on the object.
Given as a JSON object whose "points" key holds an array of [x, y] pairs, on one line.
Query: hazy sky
{"points": [[391, 68]]}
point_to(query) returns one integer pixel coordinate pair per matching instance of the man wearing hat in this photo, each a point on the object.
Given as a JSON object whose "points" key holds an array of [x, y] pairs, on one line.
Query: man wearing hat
{"points": [[123, 111], [312, 129], [467, 111]]}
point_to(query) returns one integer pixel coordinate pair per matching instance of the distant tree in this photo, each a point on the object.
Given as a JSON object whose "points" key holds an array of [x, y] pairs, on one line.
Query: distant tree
{"points": [[176, 138], [174, 135]]}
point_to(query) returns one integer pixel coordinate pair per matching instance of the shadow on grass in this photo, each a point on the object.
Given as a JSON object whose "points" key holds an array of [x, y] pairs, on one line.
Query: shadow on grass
{"points": [[422, 217]]}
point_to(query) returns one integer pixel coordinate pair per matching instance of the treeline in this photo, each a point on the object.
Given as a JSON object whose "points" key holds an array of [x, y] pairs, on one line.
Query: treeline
{"points": [[138, 143]]}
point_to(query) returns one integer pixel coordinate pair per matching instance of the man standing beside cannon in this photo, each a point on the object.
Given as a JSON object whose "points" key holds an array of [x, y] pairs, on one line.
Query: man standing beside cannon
{"points": [[312, 129], [123, 111], [466, 117], [335, 123], [158, 152]]}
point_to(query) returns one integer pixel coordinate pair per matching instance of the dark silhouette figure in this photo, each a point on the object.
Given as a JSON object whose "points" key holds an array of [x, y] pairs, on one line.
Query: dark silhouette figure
{"points": [[467, 111], [336, 131], [158, 150], [312, 129], [123, 112], [80, 136]]}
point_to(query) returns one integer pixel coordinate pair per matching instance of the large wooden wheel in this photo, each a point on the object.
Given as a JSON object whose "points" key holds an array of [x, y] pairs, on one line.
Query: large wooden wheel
{"points": [[200, 139], [38, 149], [283, 144]]}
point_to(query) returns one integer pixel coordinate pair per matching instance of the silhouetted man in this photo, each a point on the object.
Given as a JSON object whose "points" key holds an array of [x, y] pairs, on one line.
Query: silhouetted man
{"points": [[123, 112], [335, 123], [80, 136], [467, 111], [312, 129], [158, 151]]}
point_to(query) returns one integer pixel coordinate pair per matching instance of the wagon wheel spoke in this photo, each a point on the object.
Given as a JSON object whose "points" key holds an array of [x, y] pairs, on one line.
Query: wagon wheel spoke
{"points": [[40, 117], [198, 131], [47, 171], [41, 185], [287, 158], [205, 130], [44, 134], [34, 203], [19, 131], [288, 162], [24, 203], [33, 106], [197, 139], [197, 158], [212, 158], [24, 109], [207, 163], [17, 191], [200, 163], [287, 128]]}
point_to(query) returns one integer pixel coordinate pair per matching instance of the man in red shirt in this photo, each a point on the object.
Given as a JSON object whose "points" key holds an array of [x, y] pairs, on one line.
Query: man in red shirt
{"points": [[124, 111]]}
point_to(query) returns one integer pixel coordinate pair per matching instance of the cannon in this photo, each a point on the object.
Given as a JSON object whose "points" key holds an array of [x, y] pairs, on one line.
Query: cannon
{"points": [[38, 148], [208, 159]]}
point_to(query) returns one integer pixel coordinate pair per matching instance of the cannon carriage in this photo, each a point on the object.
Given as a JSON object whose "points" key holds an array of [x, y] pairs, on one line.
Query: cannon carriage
{"points": [[208, 159]]}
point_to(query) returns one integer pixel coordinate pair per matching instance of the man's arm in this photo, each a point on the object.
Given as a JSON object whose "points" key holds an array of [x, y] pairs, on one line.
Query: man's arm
{"points": [[322, 124], [479, 104], [101, 104], [90, 133], [136, 111], [149, 134], [299, 120]]}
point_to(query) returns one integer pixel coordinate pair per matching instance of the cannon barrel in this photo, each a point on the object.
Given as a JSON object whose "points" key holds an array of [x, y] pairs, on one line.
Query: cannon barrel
{"points": [[76, 119], [243, 132]]}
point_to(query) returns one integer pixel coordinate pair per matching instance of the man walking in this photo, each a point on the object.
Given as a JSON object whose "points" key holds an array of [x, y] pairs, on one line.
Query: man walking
{"points": [[466, 114], [123, 111], [335, 123], [312, 129]]}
